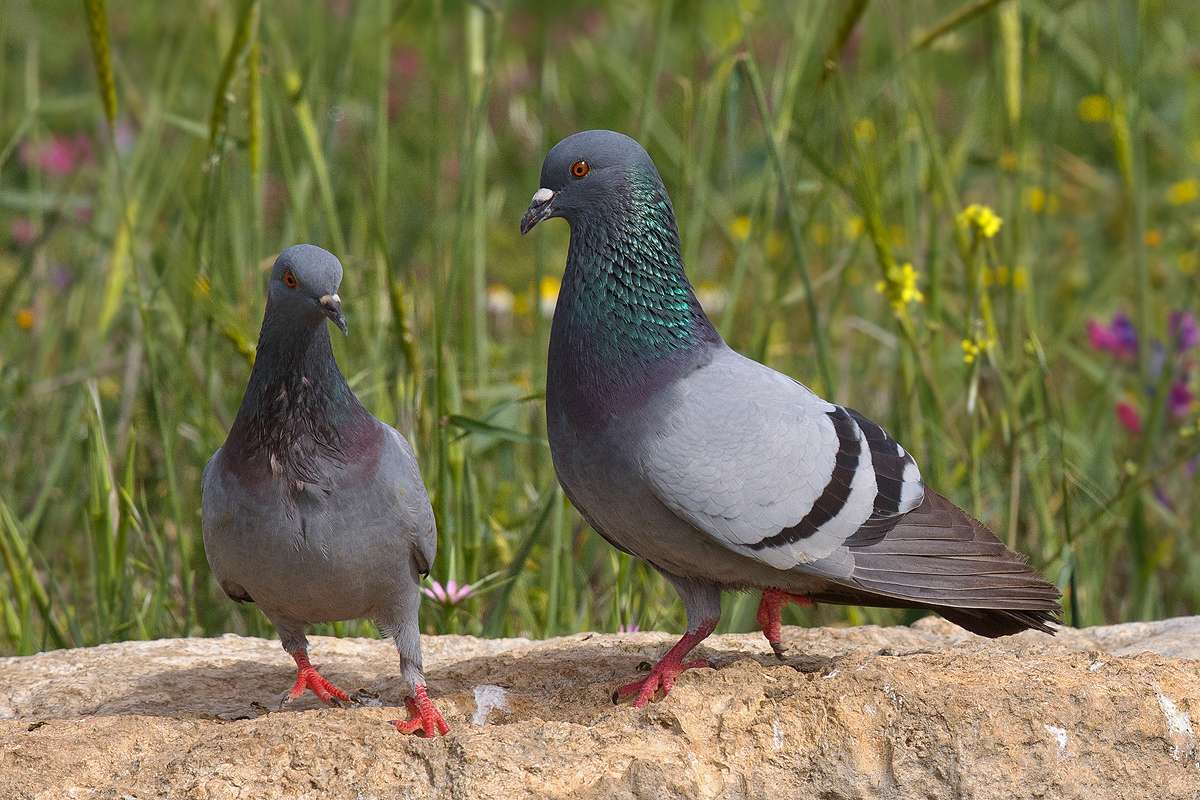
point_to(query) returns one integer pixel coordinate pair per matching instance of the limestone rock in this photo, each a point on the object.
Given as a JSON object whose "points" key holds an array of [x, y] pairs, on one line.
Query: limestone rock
{"points": [[927, 711]]}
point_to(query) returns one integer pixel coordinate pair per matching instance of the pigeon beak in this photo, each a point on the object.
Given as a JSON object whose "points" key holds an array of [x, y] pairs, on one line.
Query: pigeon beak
{"points": [[331, 306], [539, 209]]}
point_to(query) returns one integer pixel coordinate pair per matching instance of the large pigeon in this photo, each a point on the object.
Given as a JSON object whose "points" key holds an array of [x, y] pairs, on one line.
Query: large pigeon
{"points": [[720, 472], [313, 508]]}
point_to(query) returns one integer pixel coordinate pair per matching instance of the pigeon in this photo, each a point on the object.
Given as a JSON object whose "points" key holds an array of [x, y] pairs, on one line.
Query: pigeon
{"points": [[718, 471], [314, 509]]}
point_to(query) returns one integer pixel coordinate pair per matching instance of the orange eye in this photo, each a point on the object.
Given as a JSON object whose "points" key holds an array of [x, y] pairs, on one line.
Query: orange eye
{"points": [[289, 280], [580, 169]]}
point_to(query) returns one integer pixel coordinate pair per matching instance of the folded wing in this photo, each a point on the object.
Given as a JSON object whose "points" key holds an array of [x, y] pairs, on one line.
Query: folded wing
{"points": [[769, 470]]}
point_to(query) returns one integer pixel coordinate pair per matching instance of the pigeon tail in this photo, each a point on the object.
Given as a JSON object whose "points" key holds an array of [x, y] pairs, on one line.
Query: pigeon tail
{"points": [[939, 557]]}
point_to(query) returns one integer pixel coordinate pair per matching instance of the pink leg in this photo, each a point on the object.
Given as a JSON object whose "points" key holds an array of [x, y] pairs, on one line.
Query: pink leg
{"points": [[668, 667], [307, 677], [769, 610], [422, 715]]}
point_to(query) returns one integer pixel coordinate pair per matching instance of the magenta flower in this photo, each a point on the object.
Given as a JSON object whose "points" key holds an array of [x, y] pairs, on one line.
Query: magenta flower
{"points": [[1118, 338], [451, 594], [630, 628], [1180, 399], [60, 156], [1100, 337], [1185, 333], [1129, 417]]}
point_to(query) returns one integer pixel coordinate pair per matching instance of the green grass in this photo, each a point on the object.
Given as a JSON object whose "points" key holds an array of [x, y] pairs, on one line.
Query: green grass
{"points": [[812, 150]]}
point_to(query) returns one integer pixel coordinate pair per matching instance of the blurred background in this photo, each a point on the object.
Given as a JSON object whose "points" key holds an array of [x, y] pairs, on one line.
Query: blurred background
{"points": [[974, 221]]}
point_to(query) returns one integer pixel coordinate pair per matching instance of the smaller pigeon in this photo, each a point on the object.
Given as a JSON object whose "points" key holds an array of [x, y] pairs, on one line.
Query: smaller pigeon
{"points": [[719, 471], [313, 508]]}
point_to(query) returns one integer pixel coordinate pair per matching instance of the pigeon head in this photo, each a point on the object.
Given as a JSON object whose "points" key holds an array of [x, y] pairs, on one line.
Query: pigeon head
{"points": [[304, 286], [625, 306], [588, 173]]}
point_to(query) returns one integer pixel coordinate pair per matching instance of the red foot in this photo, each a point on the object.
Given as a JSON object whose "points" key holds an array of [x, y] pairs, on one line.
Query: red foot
{"points": [[664, 673], [769, 610], [307, 677], [422, 715]]}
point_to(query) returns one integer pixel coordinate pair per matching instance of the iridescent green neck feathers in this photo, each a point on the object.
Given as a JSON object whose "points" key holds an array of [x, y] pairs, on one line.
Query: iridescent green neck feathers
{"points": [[625, 298]]}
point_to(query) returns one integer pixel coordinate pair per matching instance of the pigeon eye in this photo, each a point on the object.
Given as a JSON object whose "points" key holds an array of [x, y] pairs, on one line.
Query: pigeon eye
{"points": [[289, 280], [579, 169]]}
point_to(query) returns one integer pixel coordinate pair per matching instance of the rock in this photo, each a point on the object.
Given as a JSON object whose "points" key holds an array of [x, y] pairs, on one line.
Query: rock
{"points": [[927, 711]]}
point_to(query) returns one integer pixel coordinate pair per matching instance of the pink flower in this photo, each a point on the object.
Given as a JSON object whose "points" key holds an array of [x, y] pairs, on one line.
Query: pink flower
{"points": [[451, 594], [1179, 399], [630, 628], [1129, 417], [60, 156], [23, 231]]}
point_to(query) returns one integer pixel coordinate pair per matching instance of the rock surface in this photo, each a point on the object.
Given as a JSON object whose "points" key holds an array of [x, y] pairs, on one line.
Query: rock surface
{"points": [[923, 712]]}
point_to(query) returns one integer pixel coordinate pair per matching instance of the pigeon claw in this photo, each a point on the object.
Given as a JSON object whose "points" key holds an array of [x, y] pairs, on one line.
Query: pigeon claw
{"points": [[423, 716], [308, 678], [770, 610], [662, 675]]}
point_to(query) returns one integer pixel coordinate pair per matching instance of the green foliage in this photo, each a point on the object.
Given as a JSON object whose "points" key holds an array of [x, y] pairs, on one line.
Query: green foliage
{"points": [[823, 158]]}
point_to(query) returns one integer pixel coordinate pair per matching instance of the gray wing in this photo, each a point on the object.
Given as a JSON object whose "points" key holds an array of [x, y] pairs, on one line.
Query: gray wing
{"points": [[760, 463], [413, 508], [216, 518], [769, 470]]}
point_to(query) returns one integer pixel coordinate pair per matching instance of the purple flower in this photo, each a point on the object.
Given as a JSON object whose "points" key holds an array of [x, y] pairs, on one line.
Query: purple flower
{"points": [[451, 594], [1125, 334], [1185, 333], [630, 628], [125, 136], [1179, 399]]}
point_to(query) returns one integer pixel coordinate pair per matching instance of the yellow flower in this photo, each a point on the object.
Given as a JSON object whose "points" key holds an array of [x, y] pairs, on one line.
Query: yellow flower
{"points": [[1009, 161], [739, 229], [25, 319], [864, 131], [774, 244], [981, 218], [900, 288], [548, 295], [854, 227], [1036, 199], [1095, 108], [973, 348], [820, 234], [1020, 279], [1153, 237], [1181, 193]]}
